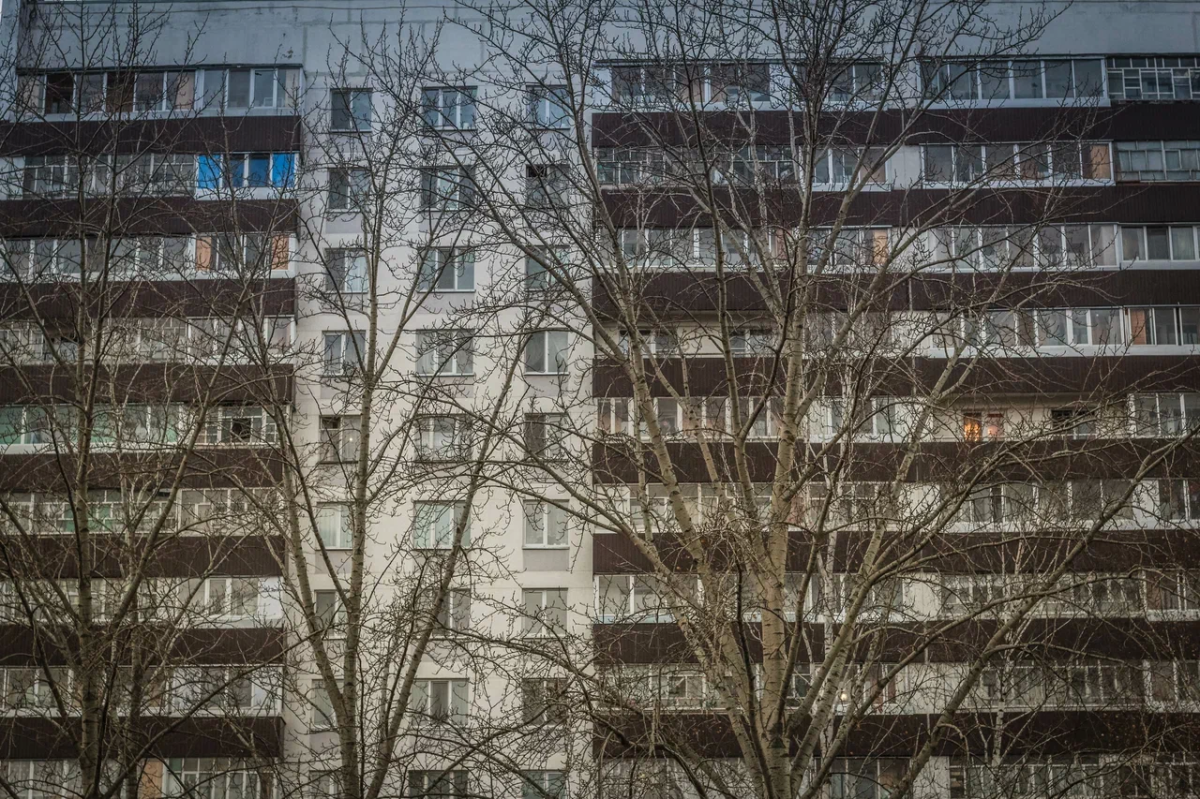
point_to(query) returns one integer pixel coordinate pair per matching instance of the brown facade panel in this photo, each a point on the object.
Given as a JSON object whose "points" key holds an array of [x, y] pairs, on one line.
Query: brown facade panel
{"points": [[665, 643], [199, 134], [179, 556], [687, 291], [217, 467], [935, 462], [145, 216], [1114, 552], [22, 646], [1052, 639], [238, 737], [167, 298], [987, 377], [1047, 733], [153, 382], [1133, 203], [683, 293], [776, 127]]}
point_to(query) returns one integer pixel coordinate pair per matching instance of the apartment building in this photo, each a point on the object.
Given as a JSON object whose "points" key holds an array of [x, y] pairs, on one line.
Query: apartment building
{"points": [[220, 239]]}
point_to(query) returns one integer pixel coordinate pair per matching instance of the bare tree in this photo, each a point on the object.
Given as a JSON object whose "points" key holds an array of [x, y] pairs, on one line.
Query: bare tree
{"points": [[839, 487], [141, 592]]}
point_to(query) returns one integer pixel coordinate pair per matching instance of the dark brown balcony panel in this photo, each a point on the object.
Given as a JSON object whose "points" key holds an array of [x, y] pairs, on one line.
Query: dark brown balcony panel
{"points": [[1049, 289], [215, 467], [767, 127], [982, 379], [665, 642], [1041, 732], [1127, 203], [170, 298], [22, 645], [199, 135], [615, 553], [171, 555], [1030, 552], [1060, 639], [935, 462], [1056, 639], [1037, 733], [1099, 376], [144, 216], [246, 737], [151, 382], [685, 292], [1112, 551]]}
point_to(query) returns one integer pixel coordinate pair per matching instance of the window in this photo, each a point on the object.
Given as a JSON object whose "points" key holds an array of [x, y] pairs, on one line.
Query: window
{"points": [[1158, 160], [1175, 681], [663, 342], [839, 167], [447, 269], [323, 717], [543, 785], [222, 776], [344, 352], [1170, 78], [246, 171], [547, 186], [992, 80], [545, 525], [545, 610], [1085, 500], [1173, 589], [455, 612], [729, 83], [243, 89], [435, 524], [239, 424], [1165, 415], [350, 110], [237, 254], [451, 108], [630, 166], [349, 188], [1158, 243], [537, 276], [983, 425], [1164, 326], [858, 778], [550, 107], [440, 700], [447, 188], [334, 526], [544, 701], [1070, 160], [443, 438], [1179, 500], [345, 272], [330, 612], [747, 341], [546, 435], [444, 352], [1074, 422], [437, 785], [546, 352], [339, 438]]}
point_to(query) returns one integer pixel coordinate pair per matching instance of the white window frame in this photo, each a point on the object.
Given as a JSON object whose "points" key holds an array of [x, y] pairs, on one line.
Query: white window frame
{"points": [[554, 348], [437, 532], [541, 520], [453, 350], [335, 529]]}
